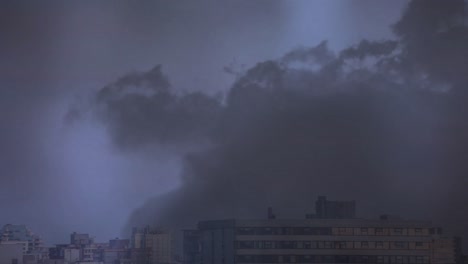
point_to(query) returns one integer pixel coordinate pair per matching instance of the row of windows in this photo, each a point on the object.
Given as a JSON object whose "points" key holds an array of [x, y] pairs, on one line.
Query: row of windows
{"points": [[335, 231], [284, 231], [330, 245], [331, 259]]}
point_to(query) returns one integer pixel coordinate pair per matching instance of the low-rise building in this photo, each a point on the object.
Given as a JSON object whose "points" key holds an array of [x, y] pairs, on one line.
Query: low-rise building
{"points": [[22, 235]]}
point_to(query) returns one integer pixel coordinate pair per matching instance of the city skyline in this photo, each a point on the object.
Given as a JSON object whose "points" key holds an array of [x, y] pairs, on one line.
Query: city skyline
{"points": [[117, 114]]}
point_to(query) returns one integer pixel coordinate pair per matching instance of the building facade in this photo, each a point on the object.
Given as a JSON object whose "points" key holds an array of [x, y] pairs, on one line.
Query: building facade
{"points": [[323, 241], [332, 235], [22, 235], [156, 246], [11, 254]]}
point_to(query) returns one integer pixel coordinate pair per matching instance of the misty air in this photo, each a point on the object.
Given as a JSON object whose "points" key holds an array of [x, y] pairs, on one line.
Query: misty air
{"points": [[236, 131]]}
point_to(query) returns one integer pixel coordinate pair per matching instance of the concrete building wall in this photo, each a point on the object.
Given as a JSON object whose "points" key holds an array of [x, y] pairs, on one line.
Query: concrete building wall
{"points": [[444, 250], [162, 245], [158, 244], [72, 254], [9, 233], [322, 241], [80, 239], [24, 245], [11, 254]]}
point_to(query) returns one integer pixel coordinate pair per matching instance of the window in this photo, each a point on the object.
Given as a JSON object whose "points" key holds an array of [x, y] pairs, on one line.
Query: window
{"points": [[398, 231], [364, 230], [340, 244], [307, 231], [400, 244], [419, 259], [364, 244], [328, 259], [380, 259], [286, 244], [419, 244], [245, 231], [342, 259], [266, 231], [399, 259], [378, 244], [418, 231]]}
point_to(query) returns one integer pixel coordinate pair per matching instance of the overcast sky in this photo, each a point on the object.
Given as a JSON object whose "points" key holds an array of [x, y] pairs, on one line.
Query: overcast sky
{"points": [[59, 177]]}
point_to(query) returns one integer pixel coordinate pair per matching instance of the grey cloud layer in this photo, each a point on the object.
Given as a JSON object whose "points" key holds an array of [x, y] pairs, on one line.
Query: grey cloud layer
{"points": [[381, 122]]}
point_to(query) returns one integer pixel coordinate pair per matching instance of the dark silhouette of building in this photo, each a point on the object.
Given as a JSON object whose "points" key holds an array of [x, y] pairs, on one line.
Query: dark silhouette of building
{"points": [[191, 247], [325, 209]]}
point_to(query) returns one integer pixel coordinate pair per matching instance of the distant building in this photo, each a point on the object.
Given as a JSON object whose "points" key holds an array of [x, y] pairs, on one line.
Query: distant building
{"points": [[118, 251], [191, 248], [22, 235], [155, 244], [58, 252], [11, 254], [24, 244], [81, 249], [54, 261], [81, 240], [72, 255], [334, 236], [447, 248], [93, 252], [323, 241], [325, 209]]}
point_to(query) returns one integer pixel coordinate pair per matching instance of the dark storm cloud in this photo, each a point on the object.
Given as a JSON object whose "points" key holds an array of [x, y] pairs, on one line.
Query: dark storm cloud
{"points": [[50, 50], [435, 34], [140, 108], [369, 123], [381, 132]]}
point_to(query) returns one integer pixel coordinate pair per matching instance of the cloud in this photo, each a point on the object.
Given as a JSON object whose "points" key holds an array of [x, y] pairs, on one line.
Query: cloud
{"points": [[380, 122]]}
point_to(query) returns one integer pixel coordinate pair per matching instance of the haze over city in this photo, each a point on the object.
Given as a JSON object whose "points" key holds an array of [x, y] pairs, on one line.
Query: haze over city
{"points": [[117, 114]]}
